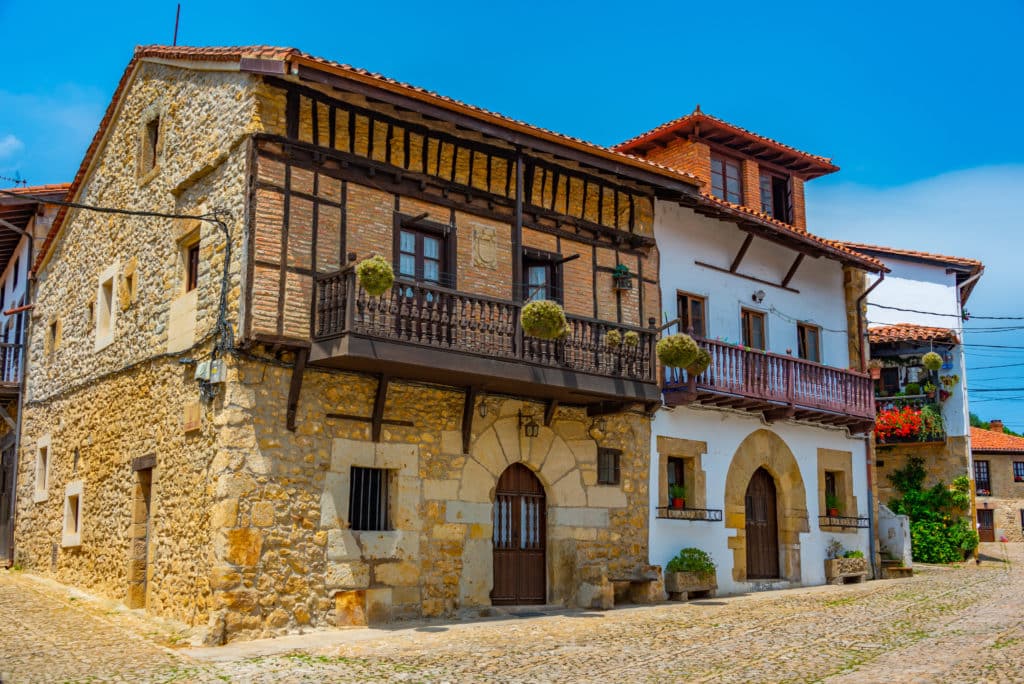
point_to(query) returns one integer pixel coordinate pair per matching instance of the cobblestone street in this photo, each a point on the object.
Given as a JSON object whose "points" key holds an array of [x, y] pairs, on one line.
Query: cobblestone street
{"points": [[960, 624]]}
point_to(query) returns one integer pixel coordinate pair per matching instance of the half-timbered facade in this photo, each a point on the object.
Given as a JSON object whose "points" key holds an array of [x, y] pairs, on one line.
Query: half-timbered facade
{"points": [[239, 436], [770, 443]]}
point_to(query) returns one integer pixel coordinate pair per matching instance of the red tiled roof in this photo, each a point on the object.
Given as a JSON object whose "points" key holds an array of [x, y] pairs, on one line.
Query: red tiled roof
{"points": [[908, 332], [47, 189], [697, 116], [837, 249], [990, 440], [951, 260]]}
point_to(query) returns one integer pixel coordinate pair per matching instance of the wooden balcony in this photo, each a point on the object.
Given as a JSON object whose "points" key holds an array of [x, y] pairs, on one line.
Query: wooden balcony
{"points": [[778, 386], [422, 331], [10, 370]]}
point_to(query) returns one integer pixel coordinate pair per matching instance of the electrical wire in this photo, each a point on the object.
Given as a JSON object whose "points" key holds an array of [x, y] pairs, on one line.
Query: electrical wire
{"points": [[964, 316]]}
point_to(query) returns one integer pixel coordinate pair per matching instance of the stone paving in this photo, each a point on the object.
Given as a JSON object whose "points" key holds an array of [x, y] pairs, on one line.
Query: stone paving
{"points": [[963, 624]]}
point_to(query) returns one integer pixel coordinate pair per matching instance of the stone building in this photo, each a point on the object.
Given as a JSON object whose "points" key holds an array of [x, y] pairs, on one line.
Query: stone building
{"points": [[999, 483], [25, 218], [233, 433], [770, 442]]}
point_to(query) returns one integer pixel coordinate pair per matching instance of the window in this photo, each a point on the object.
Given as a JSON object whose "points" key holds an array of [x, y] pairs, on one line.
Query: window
{"points": [[42, 472], [890, 380], [691, 314], [421, 256], [150, 146], [725, 179], [809, 342], [753, 329], [191, 267], [1022, 517], [105, 311], [1018, 471], [542, 276], [368, 499], [775, 196], [981, 481], [830, 483], [71, 517], [71, 534], [676, 471], [608, 466], [53, 335]]}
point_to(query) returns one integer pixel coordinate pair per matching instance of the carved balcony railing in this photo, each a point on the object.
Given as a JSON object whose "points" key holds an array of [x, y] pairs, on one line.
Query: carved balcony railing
{"points": [[428, 315], [780, 386]]}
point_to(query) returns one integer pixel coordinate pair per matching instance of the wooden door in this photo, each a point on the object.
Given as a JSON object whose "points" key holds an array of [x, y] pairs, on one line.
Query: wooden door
{"points": [[986, 525], [7, 469], [519, 537], [762, 527]]}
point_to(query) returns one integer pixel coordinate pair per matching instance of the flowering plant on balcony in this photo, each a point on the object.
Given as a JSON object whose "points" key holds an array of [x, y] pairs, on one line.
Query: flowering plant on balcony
{"points": [[612, 338], [375, 275], [894, 423], [631, 338], [677, 351], [544, 319]]}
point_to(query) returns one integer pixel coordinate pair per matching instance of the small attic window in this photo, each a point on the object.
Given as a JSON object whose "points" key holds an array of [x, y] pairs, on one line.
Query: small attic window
{"points": [[150, 146]]}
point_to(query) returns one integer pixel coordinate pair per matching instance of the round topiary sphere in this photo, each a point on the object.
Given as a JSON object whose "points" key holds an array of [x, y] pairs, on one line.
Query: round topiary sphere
{"points": [[612, 338], [701, 363], [931, 361], [631, 338], [677, 351], [544, 319], [375, 275]]}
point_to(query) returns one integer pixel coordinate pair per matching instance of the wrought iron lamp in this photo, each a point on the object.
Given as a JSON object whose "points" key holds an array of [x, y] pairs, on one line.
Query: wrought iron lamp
{"points": [[528, 425]]}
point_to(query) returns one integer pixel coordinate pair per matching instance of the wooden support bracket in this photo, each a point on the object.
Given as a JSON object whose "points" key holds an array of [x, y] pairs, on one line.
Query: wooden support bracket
{"points": [[378, 407], [469, 403], [792, 269], [549, 412], [605, 408], [779, 413], [298, 370], [742, 253]]}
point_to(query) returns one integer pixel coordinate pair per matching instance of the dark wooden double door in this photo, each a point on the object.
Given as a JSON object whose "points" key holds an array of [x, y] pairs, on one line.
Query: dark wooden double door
{"points": [[986, 525], [762, 527], [519, 538]]}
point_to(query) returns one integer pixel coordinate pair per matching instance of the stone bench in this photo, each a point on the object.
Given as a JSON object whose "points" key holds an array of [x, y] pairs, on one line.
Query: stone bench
{"points": [[597, 590], [637, 587]]}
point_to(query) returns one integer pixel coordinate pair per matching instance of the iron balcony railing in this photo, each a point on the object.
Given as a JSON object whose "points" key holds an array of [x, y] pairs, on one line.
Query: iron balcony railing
{"points": [[698, 514], [433, 316], [779, 379]]}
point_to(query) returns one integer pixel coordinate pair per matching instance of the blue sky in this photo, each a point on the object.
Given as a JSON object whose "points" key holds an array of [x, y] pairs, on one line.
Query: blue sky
{"points": [[912, 100]]}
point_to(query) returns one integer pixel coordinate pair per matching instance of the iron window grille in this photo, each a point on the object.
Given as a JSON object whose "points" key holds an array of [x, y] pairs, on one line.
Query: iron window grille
{"points": [[608, 466], [368, 499]]}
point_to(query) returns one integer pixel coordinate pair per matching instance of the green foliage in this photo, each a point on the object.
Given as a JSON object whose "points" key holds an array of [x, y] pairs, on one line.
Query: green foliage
{"points": [[938, 531], [677, 351], [691, 560], [834, 549], [701, 363], [832, 502], [931, 361], [857, 553], [932, 427], [375, 275], [631, 338], [912, 388], [544, 319], [612, 338], [677, 491]]}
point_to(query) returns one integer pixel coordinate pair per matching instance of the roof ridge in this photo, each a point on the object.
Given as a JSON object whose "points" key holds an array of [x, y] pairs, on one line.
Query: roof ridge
{"points": [[911, 252]]}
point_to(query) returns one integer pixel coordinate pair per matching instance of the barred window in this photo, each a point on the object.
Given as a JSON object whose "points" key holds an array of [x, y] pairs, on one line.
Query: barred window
{"points": [[368, 499], [608, 466]]}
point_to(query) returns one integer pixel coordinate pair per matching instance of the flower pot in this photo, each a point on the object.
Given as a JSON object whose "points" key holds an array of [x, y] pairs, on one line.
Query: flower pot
{"points": [[833, 512], [678, 504], [876, 373]]}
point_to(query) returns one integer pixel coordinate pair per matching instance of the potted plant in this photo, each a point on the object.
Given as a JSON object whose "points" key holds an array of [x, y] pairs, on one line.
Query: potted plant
{"points": [[375, 275], [912, 389], [699, 364], [929, 390], [841, 565], [544, 320], [832, 504], [612, 338], [677, 351], [677, 493], [691, 570], [631, 338], [875, 368], [931, 361], [622, 279]]}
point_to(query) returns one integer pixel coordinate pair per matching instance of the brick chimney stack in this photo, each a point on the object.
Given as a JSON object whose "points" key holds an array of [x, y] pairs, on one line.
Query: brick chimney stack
{"points": [[996, 425]]}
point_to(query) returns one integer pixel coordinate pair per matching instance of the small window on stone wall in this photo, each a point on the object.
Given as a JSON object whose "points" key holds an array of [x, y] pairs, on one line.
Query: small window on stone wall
{"points": [[150, 147], [368, 499], [53, 336], [42, 472], [608, 466], [105, 311], [71, 534]]}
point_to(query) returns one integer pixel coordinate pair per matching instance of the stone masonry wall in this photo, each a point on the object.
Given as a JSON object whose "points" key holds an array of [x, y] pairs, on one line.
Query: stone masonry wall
{"points": [[1007, 496], [944, 462], [286, 557]]}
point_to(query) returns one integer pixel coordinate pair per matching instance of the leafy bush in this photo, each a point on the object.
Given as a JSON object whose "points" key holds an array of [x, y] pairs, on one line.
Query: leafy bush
{"points": [[691, 560], [939, 532], [375, 275], [912, 388], [612, 338], [544, 319], [631, 338], [857, 553], [932, 428], [677, 351], [931, 361]]}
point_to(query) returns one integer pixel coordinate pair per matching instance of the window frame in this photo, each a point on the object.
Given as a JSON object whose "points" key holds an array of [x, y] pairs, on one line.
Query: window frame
{"points": [[801, 341], [771, 177], [609, 473], [722, 161], [684, 311], [375, 516], [447, 254], [745, 316], [978, 467], [41, 477], [551, 261], [1018, 471], [191, 265]]}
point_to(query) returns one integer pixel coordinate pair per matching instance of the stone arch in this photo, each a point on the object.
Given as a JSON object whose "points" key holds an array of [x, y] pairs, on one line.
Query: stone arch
{"points": [[765, 449]]}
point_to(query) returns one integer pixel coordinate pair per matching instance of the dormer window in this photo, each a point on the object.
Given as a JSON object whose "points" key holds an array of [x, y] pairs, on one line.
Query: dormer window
{"points": [[776, 196], [726, 180]]}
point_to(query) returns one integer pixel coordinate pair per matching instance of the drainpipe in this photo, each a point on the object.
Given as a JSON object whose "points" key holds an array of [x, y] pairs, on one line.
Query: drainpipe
{"points": [[860, 323], [873, 551]]}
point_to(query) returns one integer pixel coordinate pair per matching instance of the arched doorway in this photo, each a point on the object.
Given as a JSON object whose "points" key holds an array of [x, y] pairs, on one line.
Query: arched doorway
{"points": [[762, 527], [519, 538]]}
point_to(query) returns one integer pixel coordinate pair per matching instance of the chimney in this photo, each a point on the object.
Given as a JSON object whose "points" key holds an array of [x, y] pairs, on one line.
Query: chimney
{"points": [[995, 425]]}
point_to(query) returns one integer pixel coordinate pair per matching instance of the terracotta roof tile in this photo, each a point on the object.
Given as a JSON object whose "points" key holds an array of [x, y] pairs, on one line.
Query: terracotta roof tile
{"points": [[953, 260], [990, 440], [47, 189], [908, 332]]}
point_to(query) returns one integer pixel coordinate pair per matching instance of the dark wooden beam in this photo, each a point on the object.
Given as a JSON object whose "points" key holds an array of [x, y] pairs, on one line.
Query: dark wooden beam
{"points": [[468, 405], [743, 251], [378, 407], [549, 412], [779, 413], [295, 388], [745, 276], [792, 270]]}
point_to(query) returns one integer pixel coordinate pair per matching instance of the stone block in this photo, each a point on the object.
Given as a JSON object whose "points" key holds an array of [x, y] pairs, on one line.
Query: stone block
{"points": [[568, 491], [378, 606], [243, 546], [441, 490], [579, 517], [347, 576], [489, 453], [449, 532], [559, 461], [606, 497], [406, 596], [346, 453], [467, 512], [477, 578], [451, 442], [234, 485], [350, 608], [400, 574], [391, 544], [262, 514], [584, 450], [401, 457], [407, 503], [477, 483], [334, 500]]}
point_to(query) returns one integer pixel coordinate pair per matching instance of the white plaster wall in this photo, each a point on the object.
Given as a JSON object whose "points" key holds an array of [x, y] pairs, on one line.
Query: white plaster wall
{"points": [[724, 431], [685, 237], [894, 535]]}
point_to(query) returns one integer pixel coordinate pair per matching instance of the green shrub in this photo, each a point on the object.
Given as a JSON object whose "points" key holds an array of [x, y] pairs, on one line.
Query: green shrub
{"points": [[612, 338], [701, 363], [931, 361], [854, 554], [631, 338], [691, 560], [375, 275], [912, 388], [939, 532], [544, 319], [677, 491], [677, 351]]}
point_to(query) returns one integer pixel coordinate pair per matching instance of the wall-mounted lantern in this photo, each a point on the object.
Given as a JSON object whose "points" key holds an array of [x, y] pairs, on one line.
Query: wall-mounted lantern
{"points": [[622, 279], [528, 425]]}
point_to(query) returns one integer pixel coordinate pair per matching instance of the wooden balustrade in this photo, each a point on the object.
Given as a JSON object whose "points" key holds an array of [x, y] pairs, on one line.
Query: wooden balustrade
{"points": [[778, 379], [425, 314], [10, 363]]}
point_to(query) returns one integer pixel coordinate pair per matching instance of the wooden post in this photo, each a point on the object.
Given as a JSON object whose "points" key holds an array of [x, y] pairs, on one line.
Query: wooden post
{"points": [[517, 232]]}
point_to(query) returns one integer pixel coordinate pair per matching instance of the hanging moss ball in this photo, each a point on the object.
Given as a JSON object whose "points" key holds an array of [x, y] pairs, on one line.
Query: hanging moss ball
{"points": [[544, 319], [931, 361], [375, 275], [701, 363], [631, 338], [612, 338], [677, 351]]}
